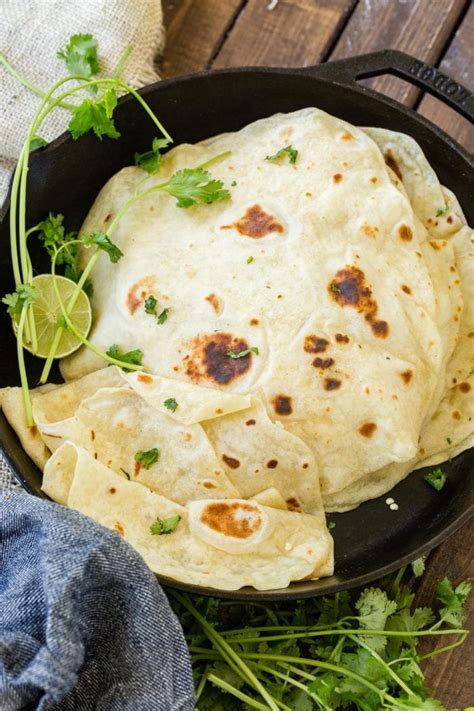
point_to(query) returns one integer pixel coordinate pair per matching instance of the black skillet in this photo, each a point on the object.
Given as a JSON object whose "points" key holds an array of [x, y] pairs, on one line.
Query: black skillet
{"points": [[65, 177]]}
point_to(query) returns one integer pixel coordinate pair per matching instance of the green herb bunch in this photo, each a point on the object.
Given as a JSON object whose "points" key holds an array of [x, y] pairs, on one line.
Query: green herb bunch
{"points": [[354, 651]]}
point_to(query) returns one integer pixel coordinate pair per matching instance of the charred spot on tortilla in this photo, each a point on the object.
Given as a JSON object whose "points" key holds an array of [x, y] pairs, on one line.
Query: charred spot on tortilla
{"points": [[464, 387], [249, 423], [456, 415], [144, 378], [323, 363], [349, 288], [118, 528], [406, 376], [392, 163], [405, 233], [342, 338], [138, 292], [369, 230], [282, 404], [292, 504], [315, 344], [209, 359], [254, 321], [406, 289], [256, 223], [272, 464], [332, 384], [236, 519], [209, 485], [347, 136], [337, 177], [215, 302], [368, 429], [230, 461], [112, 490], [373, 179]]}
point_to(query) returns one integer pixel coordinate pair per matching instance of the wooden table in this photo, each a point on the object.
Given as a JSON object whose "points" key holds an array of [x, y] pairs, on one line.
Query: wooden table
{"points": [[207, 34]]}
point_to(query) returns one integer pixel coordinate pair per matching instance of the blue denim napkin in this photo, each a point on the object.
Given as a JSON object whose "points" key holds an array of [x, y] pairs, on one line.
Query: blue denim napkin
{"points": [[84, 624]]}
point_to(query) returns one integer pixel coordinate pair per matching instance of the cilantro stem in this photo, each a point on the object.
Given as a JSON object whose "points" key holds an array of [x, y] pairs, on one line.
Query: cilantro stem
{"points": [[117, 73], [348, 632], [225, 686], [293, 682], [202, 683], [234, 660], [26, 83], [323, 665], [217, 159], [446, 648], [21, 365]]}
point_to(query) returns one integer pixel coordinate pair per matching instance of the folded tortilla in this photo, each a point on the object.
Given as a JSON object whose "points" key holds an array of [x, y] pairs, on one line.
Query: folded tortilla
{"points": [[220, 543]]}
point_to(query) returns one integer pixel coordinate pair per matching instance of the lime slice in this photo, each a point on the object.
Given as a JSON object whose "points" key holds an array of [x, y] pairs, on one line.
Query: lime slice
{"points": [[47, 316]]}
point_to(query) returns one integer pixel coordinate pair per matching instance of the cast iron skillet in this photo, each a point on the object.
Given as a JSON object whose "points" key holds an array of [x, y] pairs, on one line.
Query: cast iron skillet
{"points": [[372, 540]]}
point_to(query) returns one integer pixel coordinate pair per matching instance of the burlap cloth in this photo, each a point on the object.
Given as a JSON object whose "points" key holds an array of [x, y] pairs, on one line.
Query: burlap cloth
{"points": [[31, 32]]}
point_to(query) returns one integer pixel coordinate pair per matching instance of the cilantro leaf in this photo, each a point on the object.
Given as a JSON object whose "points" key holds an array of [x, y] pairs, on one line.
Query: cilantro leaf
{"points": [[150, 305], [334, 287], [418, 567], [374, 608], [171, 404], [292, 154], [442, 211], [192, 186], [37, 142], [453, 612], [80, 55], [96, 115], [102, 241], [242, 354], [24, 295], [148, 458], [133, 357], [436, 479], [250, 259], [162, 317], [165, 525], [151, 160]]}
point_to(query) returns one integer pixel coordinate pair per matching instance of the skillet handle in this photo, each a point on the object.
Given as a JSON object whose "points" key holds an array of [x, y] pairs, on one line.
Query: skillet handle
{"points": [[391, 61]]}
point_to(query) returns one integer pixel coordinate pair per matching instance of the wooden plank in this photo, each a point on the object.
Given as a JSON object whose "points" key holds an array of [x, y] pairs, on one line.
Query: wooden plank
{"points": [[418, 27], [457, 63], [451, 674], [194, 32], [294, 33]]}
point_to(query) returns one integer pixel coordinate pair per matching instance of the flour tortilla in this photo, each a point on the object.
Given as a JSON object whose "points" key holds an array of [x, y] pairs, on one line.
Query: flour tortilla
{"points": [[236, 454], [362, 378], [225, 544]]}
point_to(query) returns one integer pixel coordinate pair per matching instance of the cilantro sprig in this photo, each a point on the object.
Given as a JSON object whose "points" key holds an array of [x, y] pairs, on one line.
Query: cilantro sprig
{"points": [[103, 242], [130, 357], [242, 354], [291, 152], [80, 55], [150, 161], [192, 186], [163, 526], [436, 479], [345, 650], [148, 458], [171, 404]]}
